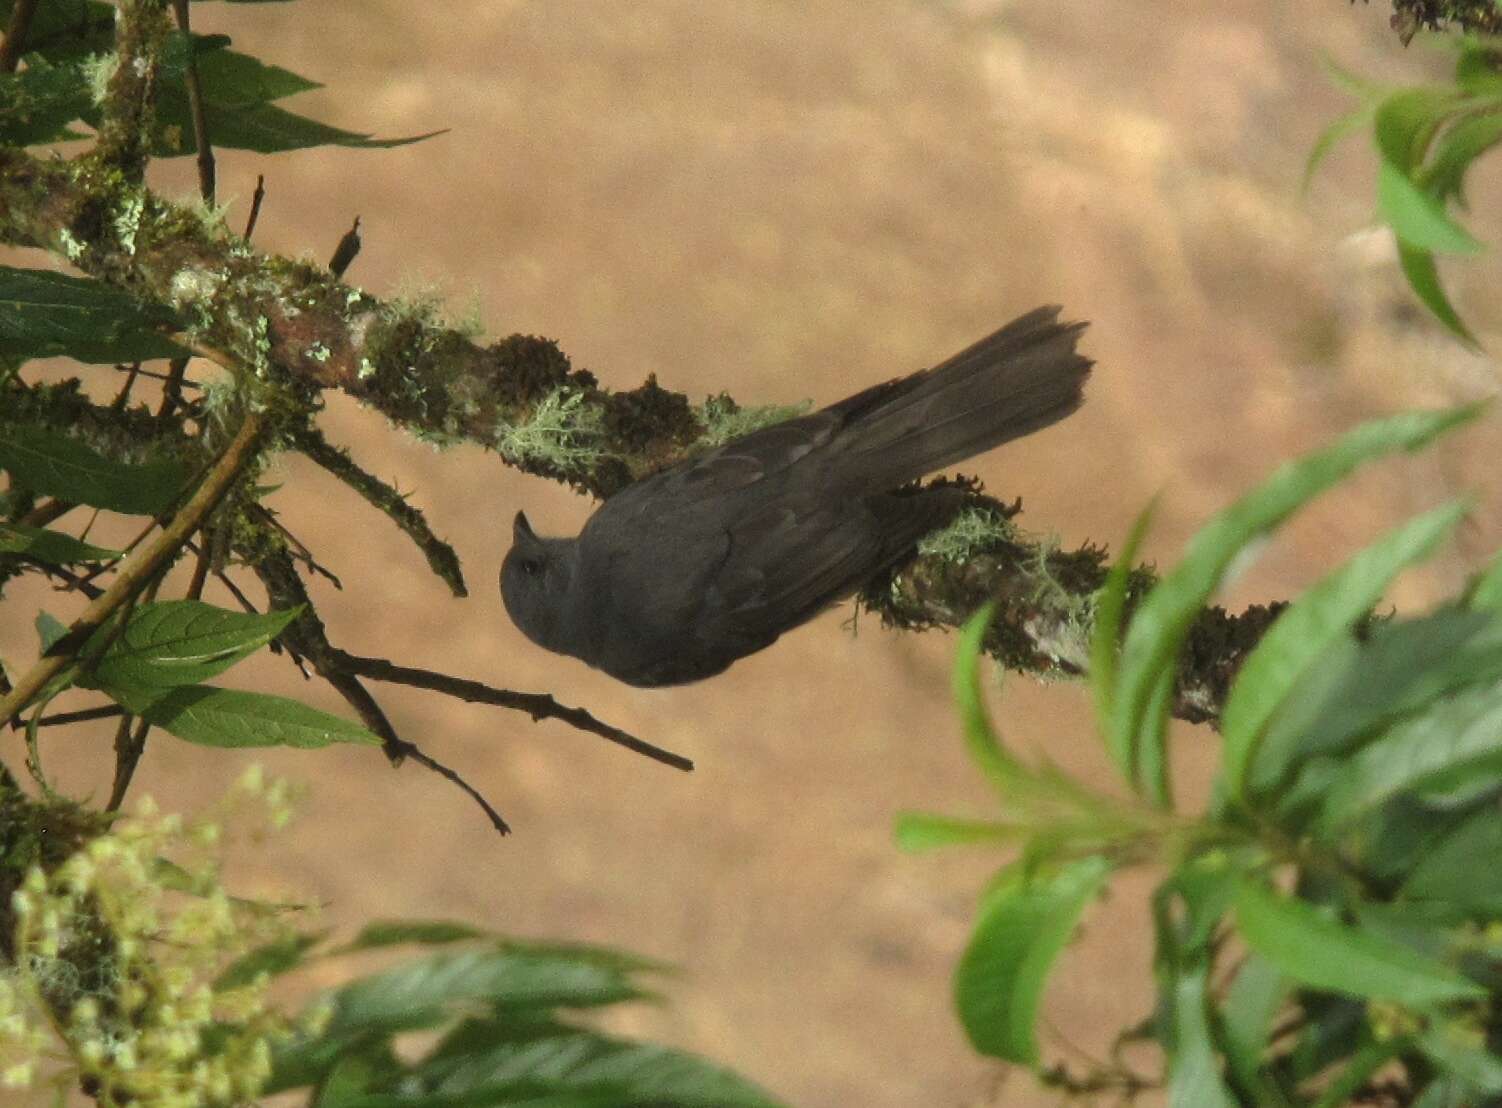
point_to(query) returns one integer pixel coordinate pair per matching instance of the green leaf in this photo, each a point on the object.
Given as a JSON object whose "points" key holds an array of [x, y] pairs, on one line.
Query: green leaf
{"points": [[1476, 69], [1305, 631], [1024, 924], [1443, 177], [1422, 272], [1455, 743], [211, 716], [45, 314], [980, 737], [272, 959], [1401, 668], [1322, 953], [510, 977], [49, 629], [1163, 619], [1194, 1073], [38, 103], [1330, 138], [1253, 1001], [1407, 121], [499, 1057], [922, 831], [1105, 645], [1462, 869], [1463, 1052], [50, 546], [1367, 1060], [383, 933], [51, 463], [180, 642], [1417, 218], [1485, 591]]}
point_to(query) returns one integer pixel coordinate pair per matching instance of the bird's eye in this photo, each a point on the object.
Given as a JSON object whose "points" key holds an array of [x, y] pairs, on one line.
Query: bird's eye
{"points": [[531, 566]]}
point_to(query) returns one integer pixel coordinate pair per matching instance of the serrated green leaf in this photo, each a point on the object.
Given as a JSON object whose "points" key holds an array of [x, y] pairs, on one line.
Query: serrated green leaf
{"points": [[1024, 924], [180, 642], [1157, 631], [923, 831], [383, 933], [1417, 218], [1323, 953], [1305, 631], [45, 314], [1194, 1072], [272, 959], [1422, 274], [559, 1060], [1402, 667], [38, 103], [511, 977], [48, 462], [50, 546], [1443, 176], [211, 716], [1459, 740]]}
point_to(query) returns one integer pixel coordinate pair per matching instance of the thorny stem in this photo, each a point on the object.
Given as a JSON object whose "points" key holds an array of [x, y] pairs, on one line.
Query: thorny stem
{"points": [[139, 569]]}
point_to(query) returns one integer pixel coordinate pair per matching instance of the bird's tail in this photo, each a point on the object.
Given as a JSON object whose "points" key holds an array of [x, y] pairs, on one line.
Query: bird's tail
{"points": [[1021, 379]]}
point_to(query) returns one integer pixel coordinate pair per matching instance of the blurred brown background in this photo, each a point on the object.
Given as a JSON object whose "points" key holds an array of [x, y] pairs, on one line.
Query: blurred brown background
{"points": [[792, 201]]}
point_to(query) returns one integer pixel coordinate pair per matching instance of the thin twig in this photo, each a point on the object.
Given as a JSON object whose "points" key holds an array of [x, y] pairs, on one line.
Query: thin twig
{"points": [[336, 460], [255, 205], [172, 388], [195, 107], [83, 715], [15, 35], [537, 705], [48, 511], [138, 570], [344, 253], [200, 569], [136, 371], [129, 746], [122, 398], [298, 548], [396, 748]]}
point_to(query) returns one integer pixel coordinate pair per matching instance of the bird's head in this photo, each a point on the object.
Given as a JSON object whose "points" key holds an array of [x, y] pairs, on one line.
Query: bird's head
{"points": [[535, 579]]}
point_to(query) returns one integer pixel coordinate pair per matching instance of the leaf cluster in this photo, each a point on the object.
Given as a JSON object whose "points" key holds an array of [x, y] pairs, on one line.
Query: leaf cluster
{"points": [[1331, 916], [1427, 138]]}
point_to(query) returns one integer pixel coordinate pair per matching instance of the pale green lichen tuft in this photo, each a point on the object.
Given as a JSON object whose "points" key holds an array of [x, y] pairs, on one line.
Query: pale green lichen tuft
{"points": [[71, 246], [972, 530], [725, 420], [563, 432], [128, 221], [98, 69]]}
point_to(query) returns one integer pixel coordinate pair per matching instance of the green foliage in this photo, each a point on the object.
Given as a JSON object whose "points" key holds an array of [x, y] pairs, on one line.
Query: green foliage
{"points": [[496, 1034], [1427, 139], [1331, 914], [57, 465], [45, 314]]}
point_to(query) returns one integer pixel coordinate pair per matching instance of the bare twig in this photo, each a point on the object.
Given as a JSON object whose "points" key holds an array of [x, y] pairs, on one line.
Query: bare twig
{"points": [[138, 570], [47, 512], [255, 206], [195, 107], [358, 697], [137, 371], [129, 746], [15, 35], [296, 546], [83, 715], [537, 705], [440, 555], [344, 253], [122, 397]]}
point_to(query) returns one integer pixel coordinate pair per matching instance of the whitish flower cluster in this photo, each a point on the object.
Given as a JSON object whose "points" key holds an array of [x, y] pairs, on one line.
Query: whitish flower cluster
{"points": [[117, 954]]}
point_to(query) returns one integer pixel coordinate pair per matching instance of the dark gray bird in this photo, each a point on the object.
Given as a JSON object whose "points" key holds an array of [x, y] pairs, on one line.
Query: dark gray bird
{"points": [[679, 575]]}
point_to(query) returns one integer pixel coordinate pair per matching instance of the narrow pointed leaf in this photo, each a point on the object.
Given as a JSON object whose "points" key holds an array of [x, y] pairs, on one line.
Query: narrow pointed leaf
{"points": [[1105, 644], [1422, 273], [980, 737], [1443, 176], [1418, 218], [922, 831], [1157, 631], [1407, 121], [1194, 1071], [385, 933], [182, 642], [1025, 923], [51, 463], [1305, 631], [1323, 953], [50, 546]]}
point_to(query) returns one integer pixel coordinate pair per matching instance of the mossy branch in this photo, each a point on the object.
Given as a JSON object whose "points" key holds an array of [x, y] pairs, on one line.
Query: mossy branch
{"points": [[295, 325]]}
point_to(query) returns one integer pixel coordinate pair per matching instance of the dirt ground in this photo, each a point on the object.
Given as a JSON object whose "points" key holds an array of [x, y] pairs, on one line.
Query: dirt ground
{"points": [[791, 201]]}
